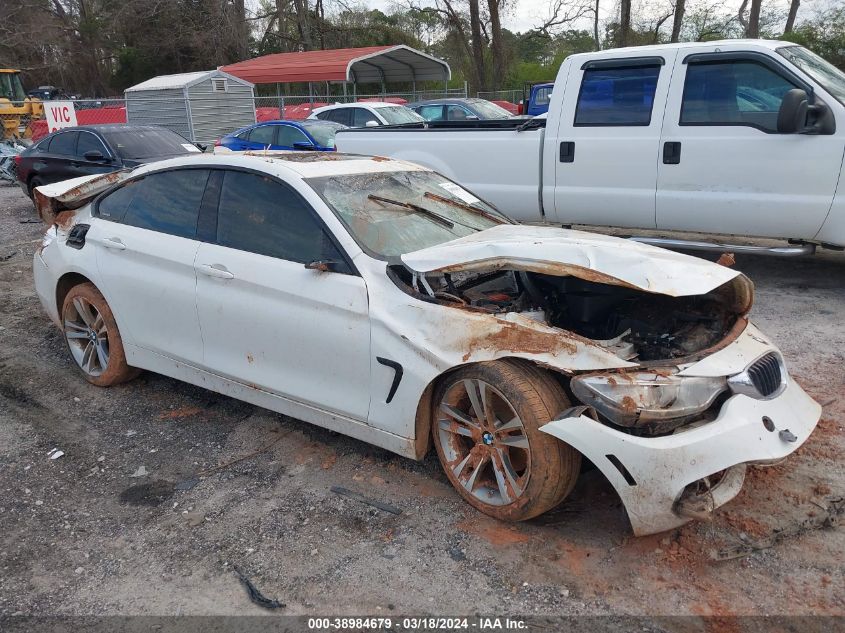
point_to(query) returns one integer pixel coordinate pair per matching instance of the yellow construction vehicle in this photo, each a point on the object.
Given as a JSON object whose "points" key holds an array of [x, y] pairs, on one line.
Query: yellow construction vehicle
{"points": [[16, 109]]}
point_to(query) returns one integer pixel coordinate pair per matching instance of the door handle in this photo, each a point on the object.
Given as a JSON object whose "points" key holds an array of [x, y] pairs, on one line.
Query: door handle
{"points": [[215, 270], [567, 152], [671, 153], [114, 243]]}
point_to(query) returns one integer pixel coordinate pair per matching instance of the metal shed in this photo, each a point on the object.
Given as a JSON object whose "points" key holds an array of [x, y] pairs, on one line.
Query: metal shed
{"points": [[201, 106], [373, 64]]}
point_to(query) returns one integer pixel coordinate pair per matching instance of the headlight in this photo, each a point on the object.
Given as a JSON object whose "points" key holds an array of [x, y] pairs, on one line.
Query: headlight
{"points": [[635, 398]]}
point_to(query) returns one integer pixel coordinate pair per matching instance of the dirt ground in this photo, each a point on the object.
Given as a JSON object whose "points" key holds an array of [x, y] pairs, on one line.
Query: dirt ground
{"points": [[80, 535]]}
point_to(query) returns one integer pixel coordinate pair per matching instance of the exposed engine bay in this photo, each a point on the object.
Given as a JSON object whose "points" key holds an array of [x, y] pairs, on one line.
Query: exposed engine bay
{"points": [[634, 324]]}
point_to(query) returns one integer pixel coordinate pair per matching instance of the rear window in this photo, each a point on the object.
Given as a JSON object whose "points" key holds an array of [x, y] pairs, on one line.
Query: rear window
{"points": [[617, 96], [396, 115], [148, 143]]}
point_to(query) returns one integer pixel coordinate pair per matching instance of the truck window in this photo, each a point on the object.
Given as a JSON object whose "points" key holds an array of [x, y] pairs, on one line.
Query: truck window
{"points": [[739, 92], [616, 96]]}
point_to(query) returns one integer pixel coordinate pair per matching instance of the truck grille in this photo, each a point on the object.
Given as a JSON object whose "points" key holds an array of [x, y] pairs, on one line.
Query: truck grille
{"points": [[765, 374]]}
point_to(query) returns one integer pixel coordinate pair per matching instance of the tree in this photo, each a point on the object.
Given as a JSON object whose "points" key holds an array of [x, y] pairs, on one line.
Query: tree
{"points": [[753, 28], [678, 20], [790, 18], [624, 33]]}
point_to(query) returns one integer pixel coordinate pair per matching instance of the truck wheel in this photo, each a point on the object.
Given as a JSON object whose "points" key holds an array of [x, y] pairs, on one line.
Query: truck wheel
{"points": [[93, 338], [486, 429]]}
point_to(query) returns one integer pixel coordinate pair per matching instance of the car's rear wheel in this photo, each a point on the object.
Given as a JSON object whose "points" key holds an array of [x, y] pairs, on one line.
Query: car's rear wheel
{"points": [[93, 338], [486, 429]]}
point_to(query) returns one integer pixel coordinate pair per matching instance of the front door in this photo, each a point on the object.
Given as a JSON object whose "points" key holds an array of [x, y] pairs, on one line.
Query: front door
{"points": [[145, 237], [608, 139], [267, 320], [726, 169]]}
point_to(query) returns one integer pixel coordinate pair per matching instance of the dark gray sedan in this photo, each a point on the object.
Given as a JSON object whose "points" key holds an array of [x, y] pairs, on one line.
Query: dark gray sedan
{"points": [[470, 109]]}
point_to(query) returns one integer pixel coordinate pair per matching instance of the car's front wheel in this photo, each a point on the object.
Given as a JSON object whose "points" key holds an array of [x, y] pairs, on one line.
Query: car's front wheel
{"points": [[93, 338], [486, 429]]}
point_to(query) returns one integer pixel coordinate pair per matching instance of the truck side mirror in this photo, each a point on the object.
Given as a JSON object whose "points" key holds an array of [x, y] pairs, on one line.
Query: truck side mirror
{"points": [[792, 116]]}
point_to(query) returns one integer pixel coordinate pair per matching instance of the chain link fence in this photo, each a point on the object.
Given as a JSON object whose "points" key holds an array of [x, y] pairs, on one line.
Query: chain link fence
{"points": [[510, 96], [26, 121]]}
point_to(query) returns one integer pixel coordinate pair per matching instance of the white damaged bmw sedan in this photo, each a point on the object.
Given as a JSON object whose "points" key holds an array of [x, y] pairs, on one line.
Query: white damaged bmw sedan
{"points": [[376, 298]]}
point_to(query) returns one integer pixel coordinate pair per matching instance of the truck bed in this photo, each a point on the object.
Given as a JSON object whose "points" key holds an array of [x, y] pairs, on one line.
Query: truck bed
{"points": [[499, 161]]}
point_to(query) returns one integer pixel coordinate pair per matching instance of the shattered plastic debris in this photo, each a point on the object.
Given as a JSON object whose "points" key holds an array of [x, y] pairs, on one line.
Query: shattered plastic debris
{"points": [[141, 472], [55, 453]]}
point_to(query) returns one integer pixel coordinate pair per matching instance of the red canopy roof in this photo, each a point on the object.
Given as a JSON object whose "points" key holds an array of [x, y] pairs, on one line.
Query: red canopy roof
{"points": [[372, 64]]}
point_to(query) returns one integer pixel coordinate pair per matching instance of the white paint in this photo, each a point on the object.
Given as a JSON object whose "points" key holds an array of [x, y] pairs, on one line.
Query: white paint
{"points": [[59, 115]]}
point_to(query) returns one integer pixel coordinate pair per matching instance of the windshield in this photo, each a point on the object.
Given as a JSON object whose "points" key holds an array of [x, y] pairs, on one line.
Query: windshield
{"points": [[10, 87], [382, 210], [135, 143], [489, 110], [396, 115], [322, 131], [826, 74]]}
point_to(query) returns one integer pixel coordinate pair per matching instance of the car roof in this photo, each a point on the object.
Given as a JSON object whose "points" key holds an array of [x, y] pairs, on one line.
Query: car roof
{"points": [[287, 164], [112, 127], [363, 104]]}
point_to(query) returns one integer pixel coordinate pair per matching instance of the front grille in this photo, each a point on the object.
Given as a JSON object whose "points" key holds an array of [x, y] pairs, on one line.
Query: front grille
{"points": [[765, 374]]}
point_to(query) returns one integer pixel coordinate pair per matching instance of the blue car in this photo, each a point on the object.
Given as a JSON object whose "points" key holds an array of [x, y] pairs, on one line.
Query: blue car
{"points": [[294, 135]]}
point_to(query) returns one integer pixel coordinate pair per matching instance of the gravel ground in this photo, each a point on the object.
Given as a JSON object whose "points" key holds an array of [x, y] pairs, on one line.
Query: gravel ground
{"points": [[80, 535]]}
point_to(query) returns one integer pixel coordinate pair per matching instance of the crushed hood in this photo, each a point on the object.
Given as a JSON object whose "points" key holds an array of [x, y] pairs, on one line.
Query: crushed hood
{"points": [[72, 194], [589, 256]]}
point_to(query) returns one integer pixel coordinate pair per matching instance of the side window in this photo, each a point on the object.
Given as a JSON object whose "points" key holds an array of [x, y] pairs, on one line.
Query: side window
{"points": [[259, 215], [733, 93], [168, 202], [363, 116], [616, 96], [44, 145], [431, 112], [263, 135], [288, 135], [457, 113], [113, 205], [339, 115], [64, 143], [90, 143]]}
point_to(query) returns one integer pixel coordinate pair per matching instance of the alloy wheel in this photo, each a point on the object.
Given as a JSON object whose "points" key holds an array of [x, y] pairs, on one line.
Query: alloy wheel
{"points": [[87, 336]]}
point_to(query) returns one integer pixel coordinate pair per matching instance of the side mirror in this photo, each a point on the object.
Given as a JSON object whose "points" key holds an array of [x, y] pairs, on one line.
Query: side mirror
{"points": [[303, 146], [792, 115], [371, 123], [323, 265], [201, 147], [94, 156]]}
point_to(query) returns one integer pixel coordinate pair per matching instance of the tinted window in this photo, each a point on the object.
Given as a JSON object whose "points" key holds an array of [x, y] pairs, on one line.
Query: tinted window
{"points": [[135, 143], [617, 96], [458, 113], [363, 116], [113, 205], [733, 93], [263, 135], [90, 143], [339, 115], [542, 96], [431, 112], [64, 143], [259, 215], [168, 202], [288, 135]]}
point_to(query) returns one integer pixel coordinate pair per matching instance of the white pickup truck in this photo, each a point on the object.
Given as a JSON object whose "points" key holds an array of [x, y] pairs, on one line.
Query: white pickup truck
{"points": [[738, 137]]}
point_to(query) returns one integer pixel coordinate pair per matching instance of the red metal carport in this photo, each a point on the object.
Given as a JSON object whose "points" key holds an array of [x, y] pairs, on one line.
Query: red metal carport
{"points": [[373, 64]]}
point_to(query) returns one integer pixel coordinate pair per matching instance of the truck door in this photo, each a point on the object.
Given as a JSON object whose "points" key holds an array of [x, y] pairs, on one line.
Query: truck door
{"points": [[724, 168], [607, 141]]}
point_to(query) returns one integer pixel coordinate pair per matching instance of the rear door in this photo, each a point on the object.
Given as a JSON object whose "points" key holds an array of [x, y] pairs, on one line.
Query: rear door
{"points": [[57, 163], [608, 139], [724, 166], [266, 319], [261, 137], [145, 236]]}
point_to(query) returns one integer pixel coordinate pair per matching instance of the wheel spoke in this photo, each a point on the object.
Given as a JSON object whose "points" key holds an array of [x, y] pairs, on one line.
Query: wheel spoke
{"points": [[514, 441], [455, 427], [102, 357], [76, 327], [88, 357], [475, 391], [469, 482], [498, 471], [83, 309], [99, 325], [458, 416], [504, 463], [515, 423], [76, 334], [457, 470]]}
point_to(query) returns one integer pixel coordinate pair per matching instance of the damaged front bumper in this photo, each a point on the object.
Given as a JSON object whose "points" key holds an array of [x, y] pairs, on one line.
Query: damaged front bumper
{"points": [[666, 481]]}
